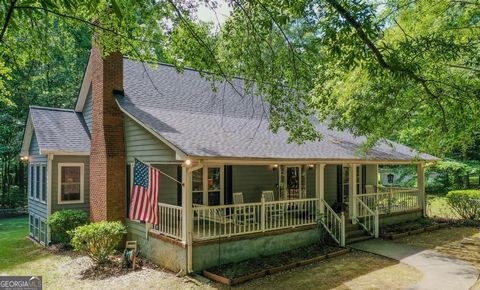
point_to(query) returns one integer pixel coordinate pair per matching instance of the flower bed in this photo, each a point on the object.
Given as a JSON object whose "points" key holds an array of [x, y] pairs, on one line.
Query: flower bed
{"points": [[236, 273], [410, 228]]}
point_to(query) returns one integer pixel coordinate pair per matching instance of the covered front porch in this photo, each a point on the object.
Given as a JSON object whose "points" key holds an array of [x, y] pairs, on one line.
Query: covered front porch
{"points": [[222, 200]]}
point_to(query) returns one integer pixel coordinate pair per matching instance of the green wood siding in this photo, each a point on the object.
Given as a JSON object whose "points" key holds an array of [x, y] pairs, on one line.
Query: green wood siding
{"points": [[87, 109], [330, 183], [144, 146], [35, 207], [252, 180], [70, 159], [167, 190]]}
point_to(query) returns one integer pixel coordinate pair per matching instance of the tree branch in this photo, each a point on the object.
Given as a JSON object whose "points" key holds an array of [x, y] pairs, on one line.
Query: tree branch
{"points": [[7, 19]]}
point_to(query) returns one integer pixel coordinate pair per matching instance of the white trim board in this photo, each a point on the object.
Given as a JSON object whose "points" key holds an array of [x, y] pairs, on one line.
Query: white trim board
{"points": [[82, 183]]}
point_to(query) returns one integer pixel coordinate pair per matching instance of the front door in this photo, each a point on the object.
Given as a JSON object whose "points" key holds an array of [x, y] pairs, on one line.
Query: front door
{"points": [[293, 182]]}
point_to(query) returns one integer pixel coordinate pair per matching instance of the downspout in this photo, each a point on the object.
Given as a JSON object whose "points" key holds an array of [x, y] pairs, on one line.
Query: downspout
{"points": [[49, 193]]}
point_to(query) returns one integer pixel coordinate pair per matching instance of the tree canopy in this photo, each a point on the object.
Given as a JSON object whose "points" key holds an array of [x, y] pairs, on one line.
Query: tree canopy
{"points": [[399, 69]]}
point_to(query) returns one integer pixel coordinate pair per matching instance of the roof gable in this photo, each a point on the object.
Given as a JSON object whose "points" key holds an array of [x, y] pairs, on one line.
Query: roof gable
{"points": [[58, 131]]}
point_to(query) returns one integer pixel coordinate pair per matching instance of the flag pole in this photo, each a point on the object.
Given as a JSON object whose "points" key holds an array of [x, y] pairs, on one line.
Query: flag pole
{"points": [[172, 178]]}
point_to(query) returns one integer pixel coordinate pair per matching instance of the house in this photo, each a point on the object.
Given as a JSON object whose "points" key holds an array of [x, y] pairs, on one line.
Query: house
{"points": [[242, 192]]}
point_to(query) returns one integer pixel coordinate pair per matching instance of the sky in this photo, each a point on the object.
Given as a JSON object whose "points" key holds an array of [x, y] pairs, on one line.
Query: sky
{"points": [[217, 15]]}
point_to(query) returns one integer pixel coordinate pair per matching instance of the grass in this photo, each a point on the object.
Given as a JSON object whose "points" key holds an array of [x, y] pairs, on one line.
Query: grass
{"points": [[15, 247], [355, 270], [19, 256]]}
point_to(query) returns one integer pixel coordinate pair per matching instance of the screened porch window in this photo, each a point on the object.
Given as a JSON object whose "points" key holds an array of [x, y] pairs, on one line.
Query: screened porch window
{"points": [[197, 186], [70, 183]]}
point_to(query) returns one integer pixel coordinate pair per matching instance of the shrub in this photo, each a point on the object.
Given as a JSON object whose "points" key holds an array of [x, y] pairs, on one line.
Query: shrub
{"points": [[466, 203], [61, 222], [98, 240]]}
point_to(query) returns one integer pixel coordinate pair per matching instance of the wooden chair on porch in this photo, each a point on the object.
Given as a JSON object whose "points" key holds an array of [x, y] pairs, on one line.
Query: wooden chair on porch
{"points": [[273, 210], [242, 214]]}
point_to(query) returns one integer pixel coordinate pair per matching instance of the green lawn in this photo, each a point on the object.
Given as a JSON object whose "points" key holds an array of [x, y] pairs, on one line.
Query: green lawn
{"points": [[15, 248]]}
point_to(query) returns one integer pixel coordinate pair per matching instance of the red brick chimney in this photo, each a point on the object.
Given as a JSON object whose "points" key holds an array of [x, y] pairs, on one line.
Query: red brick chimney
{"points": [[107, 156]]}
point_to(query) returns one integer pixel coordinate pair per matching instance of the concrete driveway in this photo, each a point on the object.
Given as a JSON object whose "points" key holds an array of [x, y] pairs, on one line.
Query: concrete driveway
{"points": [[440, 272]]}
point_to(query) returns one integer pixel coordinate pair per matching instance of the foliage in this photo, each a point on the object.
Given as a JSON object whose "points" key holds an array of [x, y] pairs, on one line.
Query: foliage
{"points": [[98, 240], [14, 198], [466, 203], [61, 222]]}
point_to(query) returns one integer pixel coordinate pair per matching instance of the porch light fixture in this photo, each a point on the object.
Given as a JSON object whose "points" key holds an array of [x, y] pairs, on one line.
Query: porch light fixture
{"points": [[188, 162], [310, 166], [24, 158], [275, 166]]}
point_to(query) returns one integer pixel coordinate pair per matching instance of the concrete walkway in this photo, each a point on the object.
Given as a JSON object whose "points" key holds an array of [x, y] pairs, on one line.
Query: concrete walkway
{"points": [[439, 271]]}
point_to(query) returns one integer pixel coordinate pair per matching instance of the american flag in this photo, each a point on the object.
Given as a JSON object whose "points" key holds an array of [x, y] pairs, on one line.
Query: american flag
{"points": [[143, 203]]}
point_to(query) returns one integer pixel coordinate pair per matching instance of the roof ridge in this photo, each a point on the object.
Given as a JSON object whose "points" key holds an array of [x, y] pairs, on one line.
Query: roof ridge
{"points": [[186, 68], [51, 109]]}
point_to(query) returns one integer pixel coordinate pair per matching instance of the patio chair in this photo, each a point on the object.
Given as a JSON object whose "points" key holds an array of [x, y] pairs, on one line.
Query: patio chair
{"points": [[216, 215], [243, 214], [273, 210]]}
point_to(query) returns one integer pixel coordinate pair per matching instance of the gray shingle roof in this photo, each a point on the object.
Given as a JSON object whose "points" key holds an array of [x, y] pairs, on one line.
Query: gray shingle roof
{"points": [[205, 122], [60, 130]]}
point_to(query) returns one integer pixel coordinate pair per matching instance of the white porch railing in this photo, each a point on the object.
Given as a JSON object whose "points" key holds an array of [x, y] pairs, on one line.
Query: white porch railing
{"points": [[393, 200], [367, 217], [170, 220], [211, 222], [333, 223]]}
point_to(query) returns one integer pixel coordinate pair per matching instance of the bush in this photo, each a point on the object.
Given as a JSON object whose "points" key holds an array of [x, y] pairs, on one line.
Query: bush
{"points": [[13, 198], [466, 203], [98, 240], [61, 222]]}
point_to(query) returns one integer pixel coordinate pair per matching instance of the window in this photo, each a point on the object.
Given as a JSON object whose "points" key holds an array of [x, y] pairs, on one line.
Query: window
{"points": [[346, 183], [214, 190], [43, 231], [44, 183], [30, 180], [197, 186], [37, 182], [31, 226], [207, 185], [70, 183], [36, 228]]}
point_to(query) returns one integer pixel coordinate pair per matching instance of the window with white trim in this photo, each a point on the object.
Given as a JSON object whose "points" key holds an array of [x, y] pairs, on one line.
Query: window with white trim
{"points": [[37, 181], [207, 185], [70, 182], [44, 182], [36, 228], [43, 231], [31, 226], [30, 180]]}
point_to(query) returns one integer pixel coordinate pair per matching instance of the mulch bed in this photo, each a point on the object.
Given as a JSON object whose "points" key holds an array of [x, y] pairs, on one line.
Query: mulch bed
{"points": [[236, 273], [411, 228]]}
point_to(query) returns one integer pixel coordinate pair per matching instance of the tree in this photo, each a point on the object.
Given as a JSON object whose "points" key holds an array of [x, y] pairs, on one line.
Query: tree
{"points": [[400, 69]]}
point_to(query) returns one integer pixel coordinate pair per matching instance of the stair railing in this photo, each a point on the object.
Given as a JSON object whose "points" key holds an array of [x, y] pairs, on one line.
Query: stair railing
{"points": [[367, 217], [333, 223]]}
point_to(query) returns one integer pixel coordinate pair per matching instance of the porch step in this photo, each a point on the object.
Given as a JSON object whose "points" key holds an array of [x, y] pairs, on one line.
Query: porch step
{"points": [[358, 239], [355, 233]]}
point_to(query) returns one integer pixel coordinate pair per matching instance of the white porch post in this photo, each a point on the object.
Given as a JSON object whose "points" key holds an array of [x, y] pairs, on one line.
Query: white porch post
{"points": [[187, 219], [320, 185], [352, 192], [421, 187]]}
